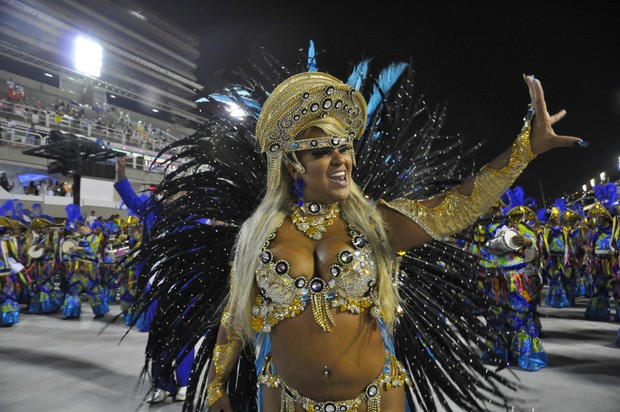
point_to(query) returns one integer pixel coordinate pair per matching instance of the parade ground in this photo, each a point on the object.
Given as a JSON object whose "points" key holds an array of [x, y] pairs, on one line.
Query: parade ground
{"points": [[49, 364]]}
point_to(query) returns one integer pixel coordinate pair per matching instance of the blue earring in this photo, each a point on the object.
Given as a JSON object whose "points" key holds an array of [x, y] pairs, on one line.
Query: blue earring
{"points": [[298, 190]]}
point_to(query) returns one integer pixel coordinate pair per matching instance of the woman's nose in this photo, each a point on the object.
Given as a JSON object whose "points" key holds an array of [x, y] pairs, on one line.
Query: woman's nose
{"points": [[337, 157]]}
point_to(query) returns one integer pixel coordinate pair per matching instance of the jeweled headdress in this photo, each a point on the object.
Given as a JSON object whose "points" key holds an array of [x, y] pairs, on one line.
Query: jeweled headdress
{"points": [[5, 223], [295, 105], [40, 222], [517, 205], [598, 210]]}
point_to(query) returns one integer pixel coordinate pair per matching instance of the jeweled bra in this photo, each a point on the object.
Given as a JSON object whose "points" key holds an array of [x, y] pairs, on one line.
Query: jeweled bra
{"points": [[351, 287]]}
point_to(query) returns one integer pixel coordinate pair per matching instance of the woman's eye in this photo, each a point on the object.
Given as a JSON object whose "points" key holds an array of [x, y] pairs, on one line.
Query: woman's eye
{"points": [[345, 148], [321, 152]]}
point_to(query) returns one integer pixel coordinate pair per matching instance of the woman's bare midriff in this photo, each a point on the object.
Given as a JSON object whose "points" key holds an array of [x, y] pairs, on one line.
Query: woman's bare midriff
{"points": [[334, 365]]}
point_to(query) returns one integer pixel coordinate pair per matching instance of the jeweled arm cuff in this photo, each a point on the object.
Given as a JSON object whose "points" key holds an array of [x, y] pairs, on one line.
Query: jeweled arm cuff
{"points": [[458, 211], [224, 358]]}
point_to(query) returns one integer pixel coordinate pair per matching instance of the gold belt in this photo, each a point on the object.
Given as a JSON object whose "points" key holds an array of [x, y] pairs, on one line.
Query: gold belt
{"points": [[393, 375]]}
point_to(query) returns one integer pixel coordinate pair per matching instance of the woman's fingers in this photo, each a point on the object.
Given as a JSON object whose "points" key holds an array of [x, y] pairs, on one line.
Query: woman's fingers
{"points": [[566, 141], [557, 117], [539, 97]]}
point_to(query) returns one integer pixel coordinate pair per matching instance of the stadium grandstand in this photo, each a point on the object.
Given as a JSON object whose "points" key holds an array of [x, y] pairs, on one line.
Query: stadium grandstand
{"points": [[109, 74]]}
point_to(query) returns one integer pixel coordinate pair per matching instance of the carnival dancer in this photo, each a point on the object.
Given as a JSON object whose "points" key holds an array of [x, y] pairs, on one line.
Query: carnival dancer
{"points": [[18, 244], [555, 257], [569, 221], [128, 289], [69, 240], [614, 283], [493, 283], [480, 233], [42, 248], [9, 268], [84, 276], [579, 251], [313, 266], [601, 244], [108, 272], [515, 249]]}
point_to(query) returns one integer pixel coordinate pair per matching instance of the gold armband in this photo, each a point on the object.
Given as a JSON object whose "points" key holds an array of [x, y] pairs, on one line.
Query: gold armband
{"points": [[224, 358], [458, 211], [224, 355]]}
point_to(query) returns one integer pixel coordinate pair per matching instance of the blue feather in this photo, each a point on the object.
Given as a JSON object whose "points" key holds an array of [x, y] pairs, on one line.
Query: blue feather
{"points": [[73, 215], [8, 208], [611, 192], [542, 214], [560, 203], [312, 58], [606, 195], [385, 81], [577, 208], [358, 74], [238, 96], [599, 193], [516, 197], [506, 198]]}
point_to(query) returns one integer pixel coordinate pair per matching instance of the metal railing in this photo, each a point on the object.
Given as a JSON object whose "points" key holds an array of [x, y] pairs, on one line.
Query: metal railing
{"points": [[133, 137], [21, 137]]}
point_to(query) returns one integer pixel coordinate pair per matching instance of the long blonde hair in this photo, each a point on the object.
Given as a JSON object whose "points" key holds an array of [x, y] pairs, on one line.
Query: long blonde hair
{"points": [[269, 215]]}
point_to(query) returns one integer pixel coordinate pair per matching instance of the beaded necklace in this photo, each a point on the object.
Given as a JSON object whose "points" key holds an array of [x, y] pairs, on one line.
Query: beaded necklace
{"points": [[312, 218]]}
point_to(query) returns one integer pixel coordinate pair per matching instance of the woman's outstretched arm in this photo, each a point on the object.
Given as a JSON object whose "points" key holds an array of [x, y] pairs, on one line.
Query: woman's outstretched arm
{"points": [[416, 222]]}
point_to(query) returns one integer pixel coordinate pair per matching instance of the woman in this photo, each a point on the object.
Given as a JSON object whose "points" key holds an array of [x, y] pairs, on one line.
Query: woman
{"points": [[315, 272]]}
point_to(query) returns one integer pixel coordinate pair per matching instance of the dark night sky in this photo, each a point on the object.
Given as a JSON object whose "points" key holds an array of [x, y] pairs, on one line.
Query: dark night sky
{"points": [[468, 56]]}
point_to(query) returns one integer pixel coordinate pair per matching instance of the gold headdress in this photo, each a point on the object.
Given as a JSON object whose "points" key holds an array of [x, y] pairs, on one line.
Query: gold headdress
{"points": [[570, 215], [18, 224], [522, 212], [132, 220], [5, 222], [598, 210], [554, 213], [294, 106], [40, 222]]}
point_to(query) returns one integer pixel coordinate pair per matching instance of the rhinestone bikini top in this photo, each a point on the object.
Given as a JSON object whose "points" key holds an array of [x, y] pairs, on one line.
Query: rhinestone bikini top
{"points": [[351, 287]]}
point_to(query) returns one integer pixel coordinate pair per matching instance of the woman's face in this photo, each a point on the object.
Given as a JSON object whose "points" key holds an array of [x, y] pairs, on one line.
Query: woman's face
{"points": [[328, 171]]}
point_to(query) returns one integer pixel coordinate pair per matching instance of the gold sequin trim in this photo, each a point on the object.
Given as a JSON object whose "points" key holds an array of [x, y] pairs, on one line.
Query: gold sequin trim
{"points": [[458, 211]]}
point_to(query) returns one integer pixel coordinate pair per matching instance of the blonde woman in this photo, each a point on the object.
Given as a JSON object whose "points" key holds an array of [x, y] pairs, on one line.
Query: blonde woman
{"points": [[315, 294]]}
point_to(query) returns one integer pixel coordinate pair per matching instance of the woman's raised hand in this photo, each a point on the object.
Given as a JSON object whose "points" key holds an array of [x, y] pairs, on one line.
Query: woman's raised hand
{"points": [[542, 136]]}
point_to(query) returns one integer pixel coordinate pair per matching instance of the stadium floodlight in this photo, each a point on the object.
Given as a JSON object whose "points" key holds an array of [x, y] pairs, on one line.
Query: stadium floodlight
{"points": [[88, 56]]}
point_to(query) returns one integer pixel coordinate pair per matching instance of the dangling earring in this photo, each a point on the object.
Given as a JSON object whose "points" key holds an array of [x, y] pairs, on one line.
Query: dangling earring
{"points": [[298, 190]]}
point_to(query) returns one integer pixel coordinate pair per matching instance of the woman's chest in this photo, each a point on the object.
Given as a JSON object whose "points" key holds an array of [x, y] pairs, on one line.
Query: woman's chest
{"points": [[341, 265]]}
